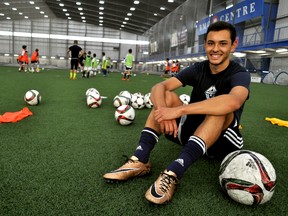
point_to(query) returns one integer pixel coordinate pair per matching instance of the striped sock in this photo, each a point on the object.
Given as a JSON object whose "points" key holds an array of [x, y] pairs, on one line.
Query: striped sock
{"points": [[192, 151], [147, 141]]}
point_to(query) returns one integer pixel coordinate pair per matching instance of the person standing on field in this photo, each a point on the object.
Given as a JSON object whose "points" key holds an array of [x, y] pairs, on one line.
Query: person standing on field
{"points": [[104, 64], [129, 59], [75, 51]]}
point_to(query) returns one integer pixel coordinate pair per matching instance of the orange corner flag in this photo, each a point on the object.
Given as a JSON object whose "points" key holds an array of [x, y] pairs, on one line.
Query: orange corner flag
{"points": [[15, 116]]}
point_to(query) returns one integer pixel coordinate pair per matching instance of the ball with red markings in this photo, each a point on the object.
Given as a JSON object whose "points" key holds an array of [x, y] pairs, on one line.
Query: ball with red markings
{"points": [[125, 115]]}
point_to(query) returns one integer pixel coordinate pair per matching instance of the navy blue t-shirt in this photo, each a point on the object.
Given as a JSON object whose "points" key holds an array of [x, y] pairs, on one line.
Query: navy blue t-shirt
{"points": [[207, 85]]}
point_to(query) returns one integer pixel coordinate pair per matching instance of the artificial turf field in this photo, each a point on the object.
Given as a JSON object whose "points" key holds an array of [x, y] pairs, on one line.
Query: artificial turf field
{"points": [[52, 162]]}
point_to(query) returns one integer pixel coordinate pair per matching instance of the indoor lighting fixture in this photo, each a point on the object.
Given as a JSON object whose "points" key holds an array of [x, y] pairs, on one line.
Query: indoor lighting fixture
{"points": [[64, 9], [37, 8], [155, 14], [101, 13], [132, 9], [129, 14], [101, 8], [78, 3], [61, 5], [15, 9], [20, 13], [281, 50], [71, 37], [126, 18], [170, 1], [239, 54], [80, 9], [100, 17], [31, 2], [101, 2], [6, 3], [136, 2], [162, 8]]}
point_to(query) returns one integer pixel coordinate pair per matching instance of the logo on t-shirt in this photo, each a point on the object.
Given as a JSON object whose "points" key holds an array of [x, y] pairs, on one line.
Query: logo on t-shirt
{"points": [[210, 92]]}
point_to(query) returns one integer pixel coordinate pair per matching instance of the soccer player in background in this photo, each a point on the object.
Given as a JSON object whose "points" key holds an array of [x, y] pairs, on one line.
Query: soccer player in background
{"points": [[129, 59], [87, 65], [104, 66], [25, 61], [20, 59], [208, 126], [35, 61], [75, 51], [95, 64], [167, 68]]}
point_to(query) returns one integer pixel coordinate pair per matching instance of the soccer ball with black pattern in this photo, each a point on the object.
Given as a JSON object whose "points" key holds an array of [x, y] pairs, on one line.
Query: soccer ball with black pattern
{"points": [[147, 100], [137, 101], [247, 177], [91, 90], [120, 100], [32, 97], [94, 99], [184, 98], [125, 115], [126, 94]]}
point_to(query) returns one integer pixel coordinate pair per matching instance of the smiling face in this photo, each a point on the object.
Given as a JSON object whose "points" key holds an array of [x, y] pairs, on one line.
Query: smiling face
{"points": [[218, 46]]}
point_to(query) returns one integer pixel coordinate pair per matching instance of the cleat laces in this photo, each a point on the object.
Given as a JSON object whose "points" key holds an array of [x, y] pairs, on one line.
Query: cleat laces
{"points": [[167, 181]]}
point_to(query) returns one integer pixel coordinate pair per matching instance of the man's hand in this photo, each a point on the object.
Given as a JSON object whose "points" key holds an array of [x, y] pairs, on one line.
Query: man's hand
{"points": [[166, 113], [169, 127]]}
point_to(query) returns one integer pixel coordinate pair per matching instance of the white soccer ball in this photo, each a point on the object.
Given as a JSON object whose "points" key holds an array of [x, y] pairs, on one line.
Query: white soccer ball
{"points": [[32, 97], [91, 90], [125, 115], [147, 100], [184, 98], [126, 94], [120, 100], [94, 99], [247, 177], [137, 101]]}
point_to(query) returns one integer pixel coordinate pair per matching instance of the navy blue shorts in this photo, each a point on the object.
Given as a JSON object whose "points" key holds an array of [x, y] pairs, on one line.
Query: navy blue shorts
{"points": [[229, 140]]}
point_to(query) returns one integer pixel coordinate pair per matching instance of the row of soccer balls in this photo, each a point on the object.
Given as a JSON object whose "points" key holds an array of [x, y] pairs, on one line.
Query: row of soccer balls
{"points": [[245, 176], [125, 103], [136, 100]]}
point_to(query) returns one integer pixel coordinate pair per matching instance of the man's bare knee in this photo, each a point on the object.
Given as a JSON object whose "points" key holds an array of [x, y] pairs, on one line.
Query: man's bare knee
{"points": [[172, 99]]}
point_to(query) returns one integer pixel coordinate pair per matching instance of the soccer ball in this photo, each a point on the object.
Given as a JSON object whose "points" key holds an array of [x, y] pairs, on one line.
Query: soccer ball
{"points": [[147, 100], [126, 94], [125, 115], [32, 97], [137, 101], [120, 100], [184, 98], [94, 99], [247, 177], [91, 90]]}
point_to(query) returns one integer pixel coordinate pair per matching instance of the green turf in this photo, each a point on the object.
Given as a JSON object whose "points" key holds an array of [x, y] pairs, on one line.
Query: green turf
{"points": [[52, 163]]}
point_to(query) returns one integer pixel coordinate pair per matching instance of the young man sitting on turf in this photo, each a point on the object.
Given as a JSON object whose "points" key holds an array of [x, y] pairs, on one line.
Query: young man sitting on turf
{"points": [[208, 125]]}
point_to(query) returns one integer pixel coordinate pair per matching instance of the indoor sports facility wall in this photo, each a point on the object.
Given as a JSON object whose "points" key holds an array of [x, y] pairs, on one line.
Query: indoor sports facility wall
{"points": [[174, 37]]}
